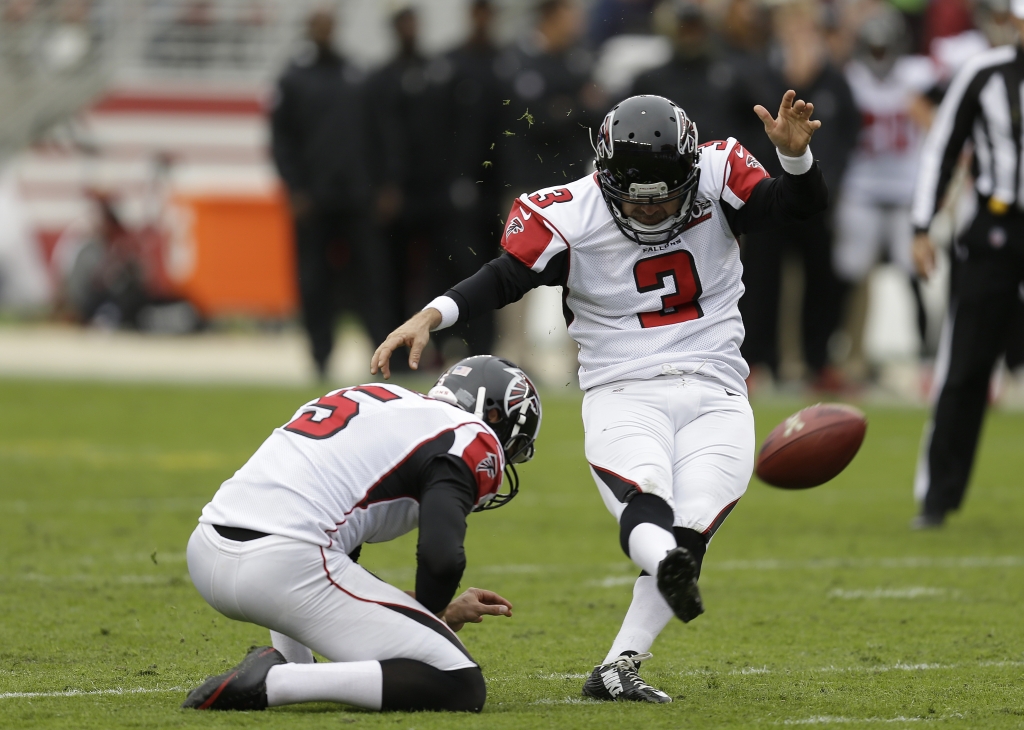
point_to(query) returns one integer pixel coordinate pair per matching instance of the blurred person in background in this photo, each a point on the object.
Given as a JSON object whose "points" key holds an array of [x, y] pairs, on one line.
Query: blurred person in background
{"points": [[799, 60], [112, 275], [702, 77], [547, 74], [319, 143], [873, 213], [982, 106], [473, 225], [410, 116], [745, 30], [608, 18]]}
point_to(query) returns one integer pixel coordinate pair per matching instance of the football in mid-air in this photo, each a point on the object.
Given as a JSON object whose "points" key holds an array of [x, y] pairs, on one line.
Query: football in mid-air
{"points": [[812, 446]]}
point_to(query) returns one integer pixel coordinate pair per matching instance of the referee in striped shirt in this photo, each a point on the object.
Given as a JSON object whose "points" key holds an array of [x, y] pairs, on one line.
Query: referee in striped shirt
{"points": [[983, 107]]}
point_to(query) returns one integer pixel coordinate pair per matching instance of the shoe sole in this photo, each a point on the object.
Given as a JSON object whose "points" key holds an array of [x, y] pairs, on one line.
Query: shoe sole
{"points": [[677, 582]]}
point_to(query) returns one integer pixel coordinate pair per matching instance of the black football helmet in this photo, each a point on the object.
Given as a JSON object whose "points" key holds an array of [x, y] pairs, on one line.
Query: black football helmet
{"points": [[647, 153], [501, 394]]}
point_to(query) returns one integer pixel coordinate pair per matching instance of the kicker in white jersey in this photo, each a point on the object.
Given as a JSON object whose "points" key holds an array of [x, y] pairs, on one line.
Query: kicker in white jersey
{"points": [[344, 470], [637, 311]]}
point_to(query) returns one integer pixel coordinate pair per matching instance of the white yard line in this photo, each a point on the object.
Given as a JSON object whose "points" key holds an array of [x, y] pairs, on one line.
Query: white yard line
{"points": [[610, 581], [567, 701], [908, 592], [1004, 561], [910, 563], [873, 669], [839, 719], [87, 692], [95, 578]]}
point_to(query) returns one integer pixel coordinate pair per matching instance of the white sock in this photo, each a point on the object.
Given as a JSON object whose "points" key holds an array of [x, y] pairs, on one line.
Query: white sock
{"points": [[648, 545], [293, 651], [647, 616], [353, 683]]}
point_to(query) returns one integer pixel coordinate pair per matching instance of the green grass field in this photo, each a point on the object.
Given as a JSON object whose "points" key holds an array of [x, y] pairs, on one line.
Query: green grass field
{"points": [[823, 609]]}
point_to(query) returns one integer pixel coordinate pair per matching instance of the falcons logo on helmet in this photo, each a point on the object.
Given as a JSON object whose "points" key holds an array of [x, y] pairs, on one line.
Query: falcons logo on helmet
{"points": [[514, 226], [489, 465], [521, 389]]}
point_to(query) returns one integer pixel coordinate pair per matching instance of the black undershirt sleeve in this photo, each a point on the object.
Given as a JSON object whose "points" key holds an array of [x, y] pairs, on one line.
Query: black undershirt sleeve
{"points": [[447, 495], [779, 200], [502, 281]]}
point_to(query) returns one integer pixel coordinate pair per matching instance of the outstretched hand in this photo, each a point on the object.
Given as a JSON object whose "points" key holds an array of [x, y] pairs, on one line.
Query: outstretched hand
{"points": [[792, 130], [414, 334], [473, 605]]}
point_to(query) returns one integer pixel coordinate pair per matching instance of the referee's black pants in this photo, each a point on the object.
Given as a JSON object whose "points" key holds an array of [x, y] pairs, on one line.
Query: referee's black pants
{"points": [[985, 318]]}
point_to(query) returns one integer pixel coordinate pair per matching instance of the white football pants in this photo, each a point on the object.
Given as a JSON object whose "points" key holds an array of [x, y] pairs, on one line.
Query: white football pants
{"points": [[320, 598], [685, 438], [864, 230]]}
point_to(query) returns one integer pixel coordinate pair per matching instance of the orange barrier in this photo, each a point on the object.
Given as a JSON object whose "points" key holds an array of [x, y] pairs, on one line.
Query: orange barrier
{"points": [[233, 255]]}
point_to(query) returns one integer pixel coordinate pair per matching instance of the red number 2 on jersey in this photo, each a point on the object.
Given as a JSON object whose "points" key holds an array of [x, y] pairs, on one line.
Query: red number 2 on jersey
{"points": [[543, 200], [677, 306], [343, 409]]}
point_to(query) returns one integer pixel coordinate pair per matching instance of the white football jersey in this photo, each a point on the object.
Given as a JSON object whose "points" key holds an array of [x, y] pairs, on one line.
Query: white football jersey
{"points": [[883, 168], [345, 469], [638, 311]]}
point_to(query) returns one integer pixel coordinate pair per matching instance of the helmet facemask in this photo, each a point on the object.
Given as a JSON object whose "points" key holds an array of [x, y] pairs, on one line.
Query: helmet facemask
{"points": [[501, 395], [645, 168]]}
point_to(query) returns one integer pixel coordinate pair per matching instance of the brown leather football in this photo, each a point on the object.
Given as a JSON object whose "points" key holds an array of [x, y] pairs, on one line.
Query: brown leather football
{"points": [[812, 446]]}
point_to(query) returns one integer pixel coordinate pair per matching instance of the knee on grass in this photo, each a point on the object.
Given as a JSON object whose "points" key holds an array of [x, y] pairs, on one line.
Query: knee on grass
{"points": [[410, 685]]}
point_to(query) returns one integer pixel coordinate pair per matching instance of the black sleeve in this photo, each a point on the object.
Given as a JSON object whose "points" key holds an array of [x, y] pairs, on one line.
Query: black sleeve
{"points": [[285, 135], [502, 281], [778, 200], [447, 495]]}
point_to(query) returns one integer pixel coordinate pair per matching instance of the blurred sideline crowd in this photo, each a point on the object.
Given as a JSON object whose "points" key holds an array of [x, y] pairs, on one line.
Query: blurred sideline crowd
{"points": [[413, 166], [398, 178]]}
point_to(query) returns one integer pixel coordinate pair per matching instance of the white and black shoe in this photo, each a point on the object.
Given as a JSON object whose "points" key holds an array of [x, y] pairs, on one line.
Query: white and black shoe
{"points": [[620, 680], [677, 583], [242, 688]]}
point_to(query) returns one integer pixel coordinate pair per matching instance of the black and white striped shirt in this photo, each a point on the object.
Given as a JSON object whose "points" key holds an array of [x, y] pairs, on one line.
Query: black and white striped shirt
{"points": [[983, 104]]}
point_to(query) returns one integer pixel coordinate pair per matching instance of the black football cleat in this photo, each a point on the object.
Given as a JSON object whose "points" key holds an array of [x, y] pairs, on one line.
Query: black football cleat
{"points": [[677, 582], [620, 680], [242, 688]]}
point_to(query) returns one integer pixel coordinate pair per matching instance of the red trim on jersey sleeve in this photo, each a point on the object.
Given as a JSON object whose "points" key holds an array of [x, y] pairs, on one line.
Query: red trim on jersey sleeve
{"points": [[484, 458], [526, 236], [744, 172]]}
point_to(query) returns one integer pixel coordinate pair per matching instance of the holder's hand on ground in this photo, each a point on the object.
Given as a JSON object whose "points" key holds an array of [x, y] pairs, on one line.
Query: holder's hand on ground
{"points": [[473, 605], [414, 334], [923, 252], [792, 130]]}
